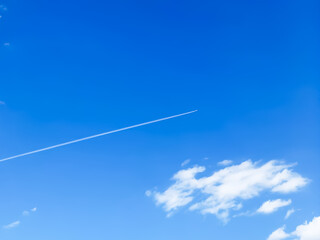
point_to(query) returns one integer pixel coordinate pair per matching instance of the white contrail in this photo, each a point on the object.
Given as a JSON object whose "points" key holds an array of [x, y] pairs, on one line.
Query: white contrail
{"points": [[94, 136]]}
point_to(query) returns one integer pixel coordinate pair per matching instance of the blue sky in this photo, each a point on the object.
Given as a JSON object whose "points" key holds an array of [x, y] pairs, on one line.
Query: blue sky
{"points": [[70, 69]]}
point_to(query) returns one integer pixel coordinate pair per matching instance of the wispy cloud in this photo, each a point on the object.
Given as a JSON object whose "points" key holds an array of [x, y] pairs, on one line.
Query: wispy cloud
{"points": [[185, 162], [16, 223], [306, 231], [6, 44], [226, 190], [3, 7], [271, 206], [225, 162], [279, 234], [2, 103], [27, 212], [12, 225], [289, 213]]}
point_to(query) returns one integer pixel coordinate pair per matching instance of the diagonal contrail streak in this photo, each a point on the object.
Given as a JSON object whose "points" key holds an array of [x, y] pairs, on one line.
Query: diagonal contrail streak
{"points": [[94, 136]]}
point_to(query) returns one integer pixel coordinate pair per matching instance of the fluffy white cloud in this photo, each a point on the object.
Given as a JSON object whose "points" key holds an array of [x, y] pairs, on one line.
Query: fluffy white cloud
{"points": [[12, 225], [279, 234], [226, 189], [272, 206], [179, 194], [306, 231], [309, 231], [225, 162]]}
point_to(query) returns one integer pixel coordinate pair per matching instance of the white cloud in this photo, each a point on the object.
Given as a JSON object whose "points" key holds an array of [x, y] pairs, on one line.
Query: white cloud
{"points": [[309, 231], [278, 234], [27, 212], [271, 206], [179, 194], [16, 223], [12, 225], [2, 103], [306, 231], [185, 162], [289, 212], [226, 189], [225, 162], [7, 44]]}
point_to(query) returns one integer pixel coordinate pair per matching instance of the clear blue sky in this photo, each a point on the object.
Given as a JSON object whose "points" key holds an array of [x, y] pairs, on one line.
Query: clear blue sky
{"points": [[70, 69]]}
